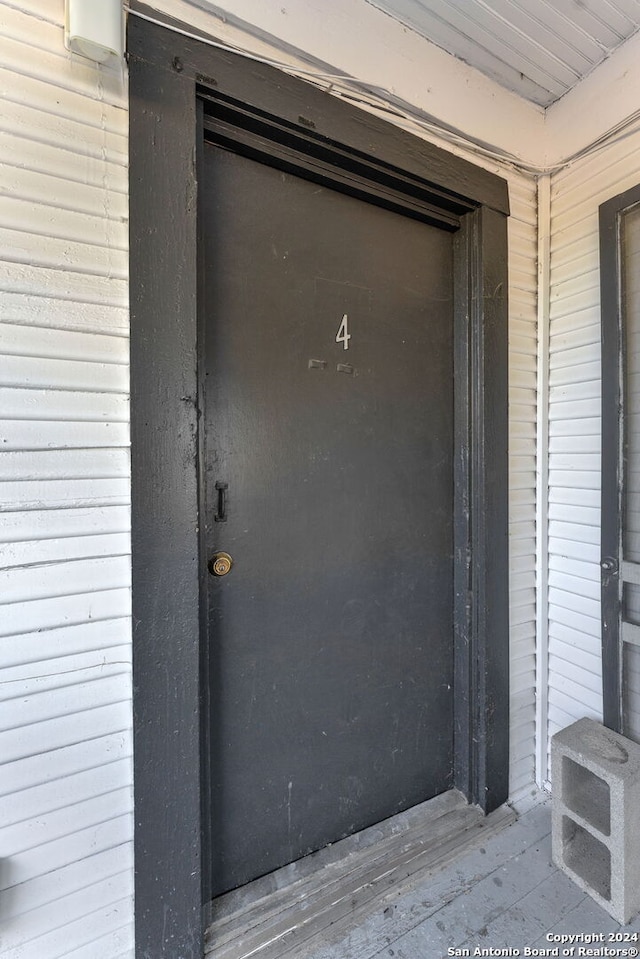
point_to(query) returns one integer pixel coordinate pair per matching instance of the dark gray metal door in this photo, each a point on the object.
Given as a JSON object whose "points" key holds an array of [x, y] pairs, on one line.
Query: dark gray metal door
{"points": [[327, 471]]}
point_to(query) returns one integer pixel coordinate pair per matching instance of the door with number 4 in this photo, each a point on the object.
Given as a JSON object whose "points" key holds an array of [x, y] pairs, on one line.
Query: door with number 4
{"points": [[327, 385]]}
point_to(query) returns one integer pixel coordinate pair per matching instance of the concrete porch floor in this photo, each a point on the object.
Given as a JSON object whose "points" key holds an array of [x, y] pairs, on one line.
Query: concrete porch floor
{"points": [[502, 897], [505, 895]]}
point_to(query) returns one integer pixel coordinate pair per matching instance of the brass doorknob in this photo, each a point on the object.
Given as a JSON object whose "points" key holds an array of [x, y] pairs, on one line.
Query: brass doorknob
{"points": [[220, 564]]}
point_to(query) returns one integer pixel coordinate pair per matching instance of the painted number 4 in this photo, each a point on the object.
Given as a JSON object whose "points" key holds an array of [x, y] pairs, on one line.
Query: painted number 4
{"points": [[343, 336]]}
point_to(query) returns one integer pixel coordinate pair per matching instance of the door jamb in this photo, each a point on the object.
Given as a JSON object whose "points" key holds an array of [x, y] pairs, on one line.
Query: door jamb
{"points": [[165, 72], [612, 332]]}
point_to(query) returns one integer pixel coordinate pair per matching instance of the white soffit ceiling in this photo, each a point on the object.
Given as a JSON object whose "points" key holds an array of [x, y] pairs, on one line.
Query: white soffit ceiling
{"points": [[539, 49]]}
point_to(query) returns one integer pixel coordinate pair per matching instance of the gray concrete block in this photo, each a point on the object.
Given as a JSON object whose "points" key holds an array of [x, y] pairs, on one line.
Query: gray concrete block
{"points": [[596, 814]]}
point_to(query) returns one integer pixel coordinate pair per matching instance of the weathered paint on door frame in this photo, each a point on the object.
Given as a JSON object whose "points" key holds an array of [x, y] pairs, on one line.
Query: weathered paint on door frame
{"points": [[169, 75], [613, 408]]}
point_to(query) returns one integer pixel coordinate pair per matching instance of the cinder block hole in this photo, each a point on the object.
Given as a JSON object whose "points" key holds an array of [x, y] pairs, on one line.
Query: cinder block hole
{"points": [[587, 857], [587, 795]]}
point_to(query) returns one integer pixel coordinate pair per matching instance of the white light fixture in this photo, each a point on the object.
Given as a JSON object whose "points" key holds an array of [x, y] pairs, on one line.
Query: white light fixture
{"points": [[95, 29]]}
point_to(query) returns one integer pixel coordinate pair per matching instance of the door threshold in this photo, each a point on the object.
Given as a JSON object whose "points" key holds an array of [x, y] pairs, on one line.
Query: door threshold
{"points": [[291, 909]]}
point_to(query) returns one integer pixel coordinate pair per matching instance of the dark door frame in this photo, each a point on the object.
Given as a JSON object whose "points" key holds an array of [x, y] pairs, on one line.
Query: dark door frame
{"points": [[171, 77], [613, 401]]}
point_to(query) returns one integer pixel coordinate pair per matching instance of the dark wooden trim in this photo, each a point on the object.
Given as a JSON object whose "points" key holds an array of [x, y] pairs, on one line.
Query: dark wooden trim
{"points": [[489, 511], [481, 579], [612, 438], [611, 479], [165, 516], [462, 531], [205, 703], [303, 107], [167, 73], [313, 157]]}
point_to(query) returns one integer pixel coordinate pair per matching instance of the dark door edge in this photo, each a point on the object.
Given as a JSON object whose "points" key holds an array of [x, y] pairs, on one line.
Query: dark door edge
{"points": [[612, 335], [165, 71], [481, 569]]}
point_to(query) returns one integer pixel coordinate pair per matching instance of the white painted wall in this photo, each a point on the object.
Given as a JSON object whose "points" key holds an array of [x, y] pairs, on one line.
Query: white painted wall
{"points": [[65, 681], [575, 673], [522, 477], [65, 636]]}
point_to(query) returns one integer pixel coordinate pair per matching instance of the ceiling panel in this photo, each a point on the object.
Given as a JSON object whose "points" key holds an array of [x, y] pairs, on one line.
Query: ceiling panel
{"points": [[537, 48]]}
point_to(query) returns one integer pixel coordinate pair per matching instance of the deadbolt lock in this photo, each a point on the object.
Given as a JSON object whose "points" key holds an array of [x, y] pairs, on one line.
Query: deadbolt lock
{"points": [[220, 564]]}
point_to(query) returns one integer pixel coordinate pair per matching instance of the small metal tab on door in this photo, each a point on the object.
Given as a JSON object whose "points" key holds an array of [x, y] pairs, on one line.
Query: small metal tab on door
{"points": [[220, 564], [221, 512]]}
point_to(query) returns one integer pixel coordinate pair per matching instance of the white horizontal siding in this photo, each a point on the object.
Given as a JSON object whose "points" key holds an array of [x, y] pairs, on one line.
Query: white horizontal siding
{"points": [[575, 663], [65, 632], [522, 477]]}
